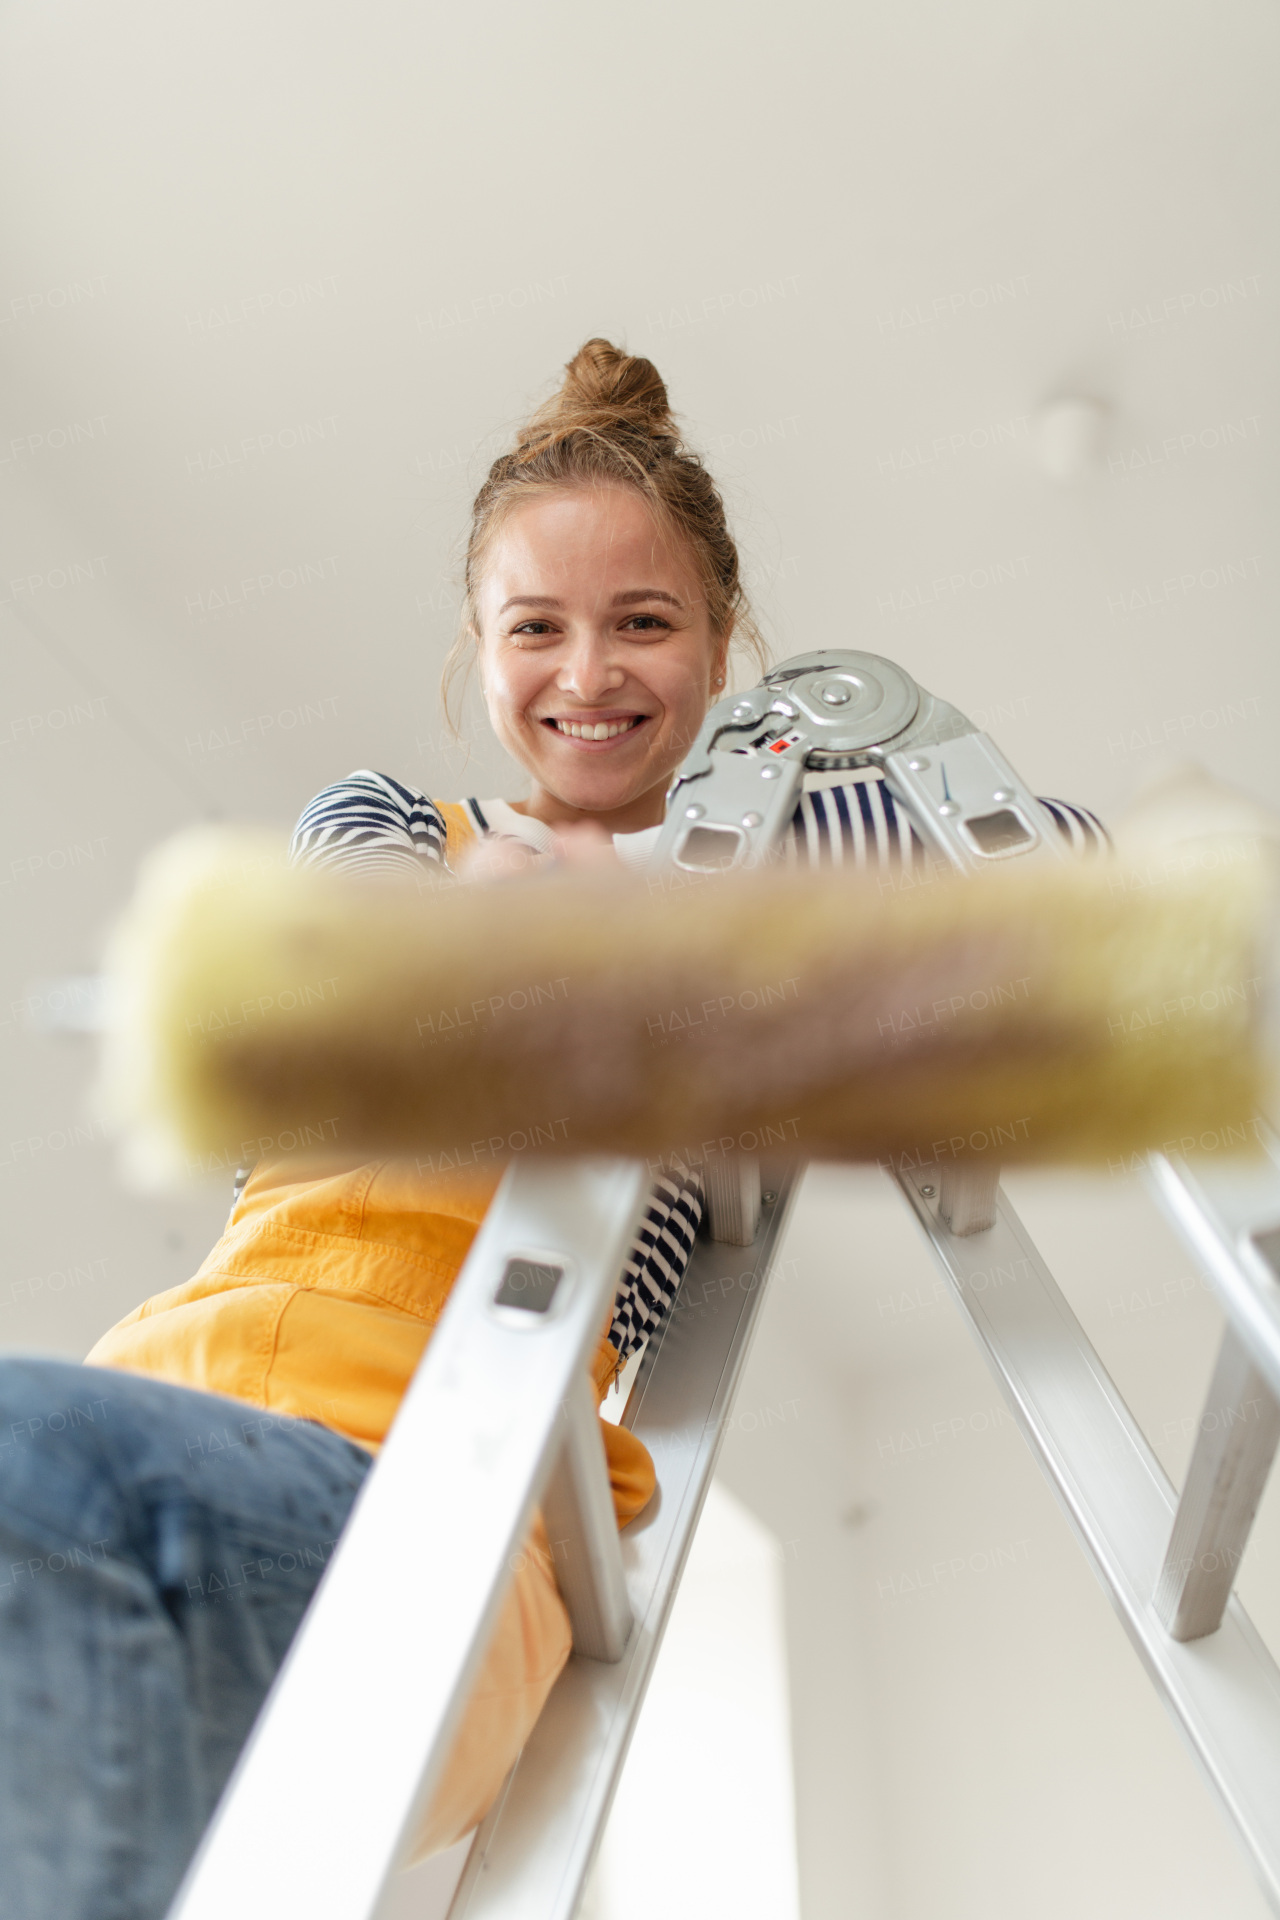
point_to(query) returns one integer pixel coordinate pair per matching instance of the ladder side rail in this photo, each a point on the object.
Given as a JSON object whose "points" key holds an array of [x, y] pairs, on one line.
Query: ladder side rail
{"points": [[531, 1856], [346, 1751], [971, 808], [1223, 1692], [969, 805]]}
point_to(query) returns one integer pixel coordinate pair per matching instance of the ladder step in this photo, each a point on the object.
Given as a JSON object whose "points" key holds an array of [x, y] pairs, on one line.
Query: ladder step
{"points": [[1235, 1445], [1227, 1210], [582, 1529]]}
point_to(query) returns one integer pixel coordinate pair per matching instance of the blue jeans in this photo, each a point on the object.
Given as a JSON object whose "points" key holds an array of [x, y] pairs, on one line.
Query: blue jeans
{"points": [[158, 1548]]}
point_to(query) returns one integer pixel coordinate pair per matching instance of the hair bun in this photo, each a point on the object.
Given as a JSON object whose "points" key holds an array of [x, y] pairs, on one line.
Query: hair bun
{"points": [[600, 376], [604, 392]]}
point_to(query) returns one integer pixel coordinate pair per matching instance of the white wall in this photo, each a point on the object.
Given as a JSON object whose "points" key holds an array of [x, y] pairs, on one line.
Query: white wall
{"points": [[703, 1821]]}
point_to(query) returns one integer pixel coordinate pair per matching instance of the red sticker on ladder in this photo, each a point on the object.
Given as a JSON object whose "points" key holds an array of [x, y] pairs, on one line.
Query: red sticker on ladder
{"points": [[786, 740]]}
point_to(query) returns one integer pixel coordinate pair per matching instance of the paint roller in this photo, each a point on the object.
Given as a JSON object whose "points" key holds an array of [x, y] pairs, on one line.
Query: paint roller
{"points": [[1072, 1012]]}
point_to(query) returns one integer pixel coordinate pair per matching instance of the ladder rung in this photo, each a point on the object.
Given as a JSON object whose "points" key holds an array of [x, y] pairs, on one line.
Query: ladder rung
{"points": [[1227, 1209], [582, 1530], [1235, 1446]]}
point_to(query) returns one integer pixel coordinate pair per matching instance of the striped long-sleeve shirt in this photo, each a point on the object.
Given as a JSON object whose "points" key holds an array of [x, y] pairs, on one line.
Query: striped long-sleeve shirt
{"points": [[369, 821]]}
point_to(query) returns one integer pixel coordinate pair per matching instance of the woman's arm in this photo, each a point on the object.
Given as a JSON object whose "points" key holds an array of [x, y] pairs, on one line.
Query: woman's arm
{"points": [[368, 822], [658, 1260], [859, 824]]}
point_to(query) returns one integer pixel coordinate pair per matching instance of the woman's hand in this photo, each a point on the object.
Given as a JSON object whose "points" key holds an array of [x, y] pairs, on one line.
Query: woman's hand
{"points": [[580, 845]]}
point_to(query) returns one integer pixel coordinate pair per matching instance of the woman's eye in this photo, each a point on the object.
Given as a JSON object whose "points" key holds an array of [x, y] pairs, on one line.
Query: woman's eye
{"points": [[534, 628], [647, 623]]}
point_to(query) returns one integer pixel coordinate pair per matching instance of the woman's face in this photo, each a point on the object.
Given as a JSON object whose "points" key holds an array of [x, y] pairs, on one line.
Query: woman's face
{"points": [[596, 654]]}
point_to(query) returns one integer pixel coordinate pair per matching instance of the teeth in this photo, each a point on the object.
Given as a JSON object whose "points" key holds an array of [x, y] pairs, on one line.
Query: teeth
{"points": [[601, 730]]}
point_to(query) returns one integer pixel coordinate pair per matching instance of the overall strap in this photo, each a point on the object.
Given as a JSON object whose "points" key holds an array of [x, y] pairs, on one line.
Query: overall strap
{"points": [[459, 828]]}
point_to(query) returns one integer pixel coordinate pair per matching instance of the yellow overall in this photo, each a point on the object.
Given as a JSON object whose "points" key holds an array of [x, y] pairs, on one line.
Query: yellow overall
{"points": [[318, 1301]]}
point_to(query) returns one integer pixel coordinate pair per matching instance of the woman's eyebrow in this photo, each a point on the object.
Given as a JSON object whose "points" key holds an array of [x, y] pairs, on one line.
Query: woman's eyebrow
{"points": [[630, 598], [531, 600]]}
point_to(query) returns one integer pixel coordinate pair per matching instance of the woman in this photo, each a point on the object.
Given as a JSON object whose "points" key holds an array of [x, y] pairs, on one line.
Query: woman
{"points": [[165, 1518]]}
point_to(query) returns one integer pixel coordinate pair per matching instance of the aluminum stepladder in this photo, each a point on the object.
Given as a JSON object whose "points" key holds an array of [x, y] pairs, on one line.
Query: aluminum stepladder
{"points": [[498, 1420]]}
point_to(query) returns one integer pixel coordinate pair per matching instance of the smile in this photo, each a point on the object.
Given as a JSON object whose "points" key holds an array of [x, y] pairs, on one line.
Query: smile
{"points": [[597, 729]]}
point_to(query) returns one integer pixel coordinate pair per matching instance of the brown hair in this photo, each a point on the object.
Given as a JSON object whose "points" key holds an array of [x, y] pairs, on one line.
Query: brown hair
{"points": [[611, 421]]}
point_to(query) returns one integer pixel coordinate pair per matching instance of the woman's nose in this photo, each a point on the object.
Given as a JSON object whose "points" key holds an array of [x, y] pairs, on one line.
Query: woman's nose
{"points": [[590, 671]]}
